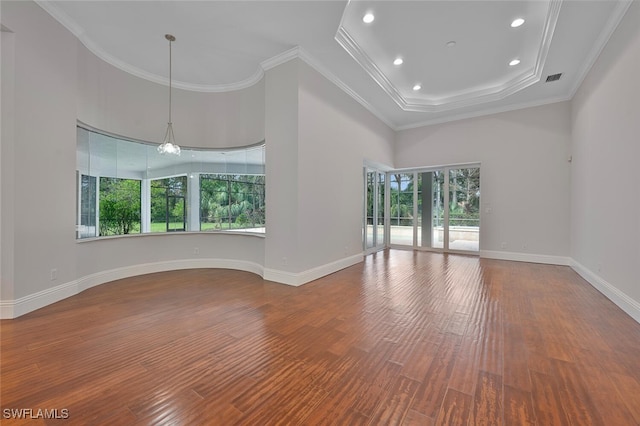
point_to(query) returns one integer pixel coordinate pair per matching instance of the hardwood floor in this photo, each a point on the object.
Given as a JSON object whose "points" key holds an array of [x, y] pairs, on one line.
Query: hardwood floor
{"points": [[406, 337]]}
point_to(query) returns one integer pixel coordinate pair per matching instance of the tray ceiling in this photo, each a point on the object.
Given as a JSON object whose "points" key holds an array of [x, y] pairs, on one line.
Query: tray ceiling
{"points": [[455, 54]]}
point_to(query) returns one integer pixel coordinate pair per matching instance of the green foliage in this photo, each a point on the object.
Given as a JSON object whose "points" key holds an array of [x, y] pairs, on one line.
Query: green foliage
{"points": [[232, 201], [464, 186], [119, 206], [464, 197], [242, 219], [401, 212]]}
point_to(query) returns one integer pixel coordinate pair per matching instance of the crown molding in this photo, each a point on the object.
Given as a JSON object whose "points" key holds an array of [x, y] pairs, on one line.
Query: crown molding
{"points": [[280, 59], [61, 17], [352, 47], [80, 34], [315, 64], [347, 42], [606, 33], [293, 53], [299, 53], [484, 112], [471, 98]]}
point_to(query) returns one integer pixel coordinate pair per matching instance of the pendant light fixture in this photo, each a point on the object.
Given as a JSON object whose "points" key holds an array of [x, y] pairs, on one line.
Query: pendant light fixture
{"points": [[169, 145]]}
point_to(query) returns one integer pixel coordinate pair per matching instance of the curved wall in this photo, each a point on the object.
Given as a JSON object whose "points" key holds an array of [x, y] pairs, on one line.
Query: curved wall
{"points": [[108, 259], [114, 101], [57, 82]]}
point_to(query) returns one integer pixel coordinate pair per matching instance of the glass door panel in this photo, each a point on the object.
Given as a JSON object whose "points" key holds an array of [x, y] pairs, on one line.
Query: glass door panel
{"points": [[430, 215], [464, 209], [168, 204], [437, 209], [421, 184], [176, 213], [437, 240], [373, 231], [401, 210], [380, 216], [369, 209]]}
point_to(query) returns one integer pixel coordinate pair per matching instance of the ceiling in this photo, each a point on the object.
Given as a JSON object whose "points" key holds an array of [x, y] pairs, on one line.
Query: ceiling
{"points": [[457, 52]]}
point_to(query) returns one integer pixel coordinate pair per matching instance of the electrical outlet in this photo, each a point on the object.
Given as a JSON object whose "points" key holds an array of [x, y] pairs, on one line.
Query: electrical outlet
{"points": [[284, 260], [54, 274], [196, 250], [503, 245]]}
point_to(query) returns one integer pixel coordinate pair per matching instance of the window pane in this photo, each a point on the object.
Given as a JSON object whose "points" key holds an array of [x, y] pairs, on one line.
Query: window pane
{"points": [[437, 193], [233, 199], [87, 219], [232, 202], [430, 212], [380, 221], [464, 209], [401, 214], [119, 206], [370, 208], [168, 204]]}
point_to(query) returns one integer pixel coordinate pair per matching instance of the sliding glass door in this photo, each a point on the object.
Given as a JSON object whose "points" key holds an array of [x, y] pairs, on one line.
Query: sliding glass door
{"points": [[432, 209], [464, 209], [430, 212], [401, 186], [370, 207], [374, 218], [436, 209]]}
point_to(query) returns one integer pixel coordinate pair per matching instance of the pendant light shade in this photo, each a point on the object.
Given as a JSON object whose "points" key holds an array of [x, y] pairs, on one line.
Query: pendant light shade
{"points": [[169, 145]]}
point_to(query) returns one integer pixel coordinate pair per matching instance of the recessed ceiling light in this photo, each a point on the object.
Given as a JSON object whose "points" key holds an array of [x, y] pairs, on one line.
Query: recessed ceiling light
{"points": [[398, 61], [368, 18], [514, 62], [417, 87], [451, 43], [517, 22]]}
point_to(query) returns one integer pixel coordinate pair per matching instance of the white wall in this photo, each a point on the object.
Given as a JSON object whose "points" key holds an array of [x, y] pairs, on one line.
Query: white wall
{"points": [[605, 190], [56, 82], [524, 176], [43, 166], [177, 249], [336, 135], [115, 101], [317, 139], [7, 184], [281, 177]]}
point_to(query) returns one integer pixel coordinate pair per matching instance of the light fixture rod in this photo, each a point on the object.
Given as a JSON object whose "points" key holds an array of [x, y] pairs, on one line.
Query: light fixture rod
{"points": [[169, 145], [171, 39]]}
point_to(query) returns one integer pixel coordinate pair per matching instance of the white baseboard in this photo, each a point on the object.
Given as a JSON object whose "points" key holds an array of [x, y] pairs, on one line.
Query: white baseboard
{"points": [[526, 257], [297, 279], [623, 301], [173, 265], [15, 308]]}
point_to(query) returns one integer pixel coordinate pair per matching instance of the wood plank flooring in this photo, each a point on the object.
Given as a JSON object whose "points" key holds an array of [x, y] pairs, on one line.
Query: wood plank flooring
{"points": [[405, 338]]}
